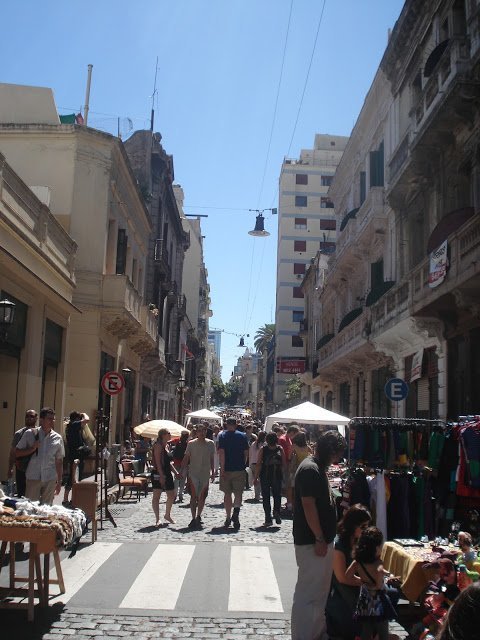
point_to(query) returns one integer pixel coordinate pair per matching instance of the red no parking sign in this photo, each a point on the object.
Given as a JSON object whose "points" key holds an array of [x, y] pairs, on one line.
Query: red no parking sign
{"points": [[113, 383]]}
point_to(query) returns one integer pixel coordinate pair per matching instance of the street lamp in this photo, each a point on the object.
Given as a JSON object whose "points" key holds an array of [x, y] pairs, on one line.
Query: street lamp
{"points": [[181, 391], [7, 316], [259, 230]]}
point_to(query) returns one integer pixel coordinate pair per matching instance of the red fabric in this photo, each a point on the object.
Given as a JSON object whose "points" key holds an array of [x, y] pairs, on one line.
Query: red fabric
{"points": [[286, 444]]}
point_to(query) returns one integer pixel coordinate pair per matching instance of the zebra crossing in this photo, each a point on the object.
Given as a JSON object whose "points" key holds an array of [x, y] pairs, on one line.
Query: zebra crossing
{"points": [[181, 579]]}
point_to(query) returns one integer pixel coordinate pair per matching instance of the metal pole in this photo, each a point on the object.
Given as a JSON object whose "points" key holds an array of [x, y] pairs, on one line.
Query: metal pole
{"points": [[87, 94]]}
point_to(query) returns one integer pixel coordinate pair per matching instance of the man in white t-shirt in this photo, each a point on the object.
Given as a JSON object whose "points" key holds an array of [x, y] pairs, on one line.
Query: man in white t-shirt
{"points": [[45, 469], [199, 458]]}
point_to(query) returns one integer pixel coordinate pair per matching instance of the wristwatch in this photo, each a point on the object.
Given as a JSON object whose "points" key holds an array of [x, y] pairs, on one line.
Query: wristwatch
{"points": [[319, 539]]}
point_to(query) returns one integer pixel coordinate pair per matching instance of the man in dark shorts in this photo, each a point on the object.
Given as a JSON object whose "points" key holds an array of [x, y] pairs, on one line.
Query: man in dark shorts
{"points": [[314, 528], [233, 454]]}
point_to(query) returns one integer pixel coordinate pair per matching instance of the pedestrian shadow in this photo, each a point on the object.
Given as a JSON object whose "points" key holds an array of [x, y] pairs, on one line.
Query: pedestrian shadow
{"points": [[151, 528], [253, 501], [263, 529], [217, 531], [220, 505]]}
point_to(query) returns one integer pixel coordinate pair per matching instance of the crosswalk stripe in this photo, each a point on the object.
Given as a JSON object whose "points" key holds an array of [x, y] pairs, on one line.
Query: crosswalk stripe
{"points": [[77, 570], [158, 585], [253, 584]]}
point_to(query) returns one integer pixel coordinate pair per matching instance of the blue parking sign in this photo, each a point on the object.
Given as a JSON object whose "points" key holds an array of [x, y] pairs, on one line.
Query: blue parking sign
{"points": [[396, 389]]}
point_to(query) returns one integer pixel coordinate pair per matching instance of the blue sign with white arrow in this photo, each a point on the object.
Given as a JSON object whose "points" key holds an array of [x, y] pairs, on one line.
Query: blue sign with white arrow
{"points": [[396, 389]]}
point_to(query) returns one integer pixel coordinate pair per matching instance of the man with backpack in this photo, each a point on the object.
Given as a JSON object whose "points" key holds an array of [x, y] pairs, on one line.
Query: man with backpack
{"points": [[19, 464]]}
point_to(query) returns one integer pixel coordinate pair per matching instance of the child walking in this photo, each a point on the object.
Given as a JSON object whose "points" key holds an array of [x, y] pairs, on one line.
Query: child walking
{"points": [[369, 568]]}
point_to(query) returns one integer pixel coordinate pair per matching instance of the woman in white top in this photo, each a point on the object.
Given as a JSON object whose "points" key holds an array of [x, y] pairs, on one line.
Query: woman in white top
{"points": [[253, 452]]}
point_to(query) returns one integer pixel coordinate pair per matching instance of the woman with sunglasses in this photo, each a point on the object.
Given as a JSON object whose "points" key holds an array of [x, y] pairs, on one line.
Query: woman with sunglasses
{"points": [[344, 591], [162, 476]]}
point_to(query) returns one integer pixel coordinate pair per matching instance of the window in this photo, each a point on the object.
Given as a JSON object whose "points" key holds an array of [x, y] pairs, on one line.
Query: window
{"points": [[301, 178], [300, 223], [121, 261], [327, 181], [363, 186], [377, 167], [297, 341], [328, 225], [298, 268], [297, 316], [327, 247], [300, 245], [376, 273], [300, 201], [297, 292], [326, 203]]}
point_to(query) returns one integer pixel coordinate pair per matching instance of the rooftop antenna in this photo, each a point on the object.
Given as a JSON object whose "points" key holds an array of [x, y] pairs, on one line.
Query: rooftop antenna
{"points": [[153, 97]]}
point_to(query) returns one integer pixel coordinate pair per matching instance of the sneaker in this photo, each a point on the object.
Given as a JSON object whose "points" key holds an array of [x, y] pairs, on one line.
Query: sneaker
{"points": [[268, 523], [277, 517], [236, 520], [193, 523], [227, 522], [180, 498], [199, 522]]}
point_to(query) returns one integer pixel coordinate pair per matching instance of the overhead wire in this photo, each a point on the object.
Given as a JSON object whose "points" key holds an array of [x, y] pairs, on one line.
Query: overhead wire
{"points": [[320, 20], [247, 319]]}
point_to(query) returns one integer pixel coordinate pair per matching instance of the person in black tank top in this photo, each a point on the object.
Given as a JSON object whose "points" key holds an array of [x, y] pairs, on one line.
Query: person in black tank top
{"points": [[269, 468]]}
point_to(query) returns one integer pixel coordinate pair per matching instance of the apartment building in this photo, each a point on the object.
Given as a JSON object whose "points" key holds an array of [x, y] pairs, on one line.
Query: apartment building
{"points": [[401, 296], [306, 224], [93, 194]]}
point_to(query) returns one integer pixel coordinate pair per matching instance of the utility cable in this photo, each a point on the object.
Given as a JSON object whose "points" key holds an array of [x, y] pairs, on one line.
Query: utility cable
{"points": [[276, 104]]}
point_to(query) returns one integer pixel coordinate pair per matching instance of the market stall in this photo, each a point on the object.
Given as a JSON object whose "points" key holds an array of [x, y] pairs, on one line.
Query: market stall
{"points": [[307, 413], [45, 529], [203, 415]]}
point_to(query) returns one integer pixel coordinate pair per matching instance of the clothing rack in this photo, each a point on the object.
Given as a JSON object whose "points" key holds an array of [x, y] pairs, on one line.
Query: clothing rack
{"points": [[398, 424]]}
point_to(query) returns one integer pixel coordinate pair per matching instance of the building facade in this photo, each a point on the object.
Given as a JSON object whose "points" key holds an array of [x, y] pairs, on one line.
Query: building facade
{"points": [[37, 259], [153, 168], [400, 298], [96, 199], [306, 223]]}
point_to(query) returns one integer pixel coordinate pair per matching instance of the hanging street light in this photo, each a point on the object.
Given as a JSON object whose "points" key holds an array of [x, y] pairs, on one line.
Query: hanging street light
{"points": [[259, 231]]}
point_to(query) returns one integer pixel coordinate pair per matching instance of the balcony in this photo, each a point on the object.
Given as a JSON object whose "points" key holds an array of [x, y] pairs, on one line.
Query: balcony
{"points": [[452, 61], [121, 306], [413, 294], [361, 225], [144, 341], [350, 339]]}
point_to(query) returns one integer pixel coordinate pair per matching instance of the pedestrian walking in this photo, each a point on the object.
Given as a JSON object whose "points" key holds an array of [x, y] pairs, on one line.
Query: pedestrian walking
{"points": [[162, 476], [199, 459], [285, 440], [45, 467], [20, 464], [314, 528], [76, 449], [270, 466], [178, 453], [253, 453], [233, 454]]}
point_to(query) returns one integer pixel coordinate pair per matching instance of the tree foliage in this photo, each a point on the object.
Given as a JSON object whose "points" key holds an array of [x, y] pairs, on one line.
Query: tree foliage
{"points": [[293, 390], [263, 337]]}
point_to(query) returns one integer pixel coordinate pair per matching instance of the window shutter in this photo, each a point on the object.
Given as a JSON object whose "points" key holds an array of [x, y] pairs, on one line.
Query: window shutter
{"points": [[423, 397]]}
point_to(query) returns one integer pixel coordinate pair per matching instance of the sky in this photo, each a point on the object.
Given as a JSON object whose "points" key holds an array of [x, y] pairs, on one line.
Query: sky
{"points": [[232, 101]]}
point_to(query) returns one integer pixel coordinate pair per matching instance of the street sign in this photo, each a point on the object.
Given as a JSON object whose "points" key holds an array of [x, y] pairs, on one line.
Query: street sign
{"points": [[396, 389], [113, 383]]}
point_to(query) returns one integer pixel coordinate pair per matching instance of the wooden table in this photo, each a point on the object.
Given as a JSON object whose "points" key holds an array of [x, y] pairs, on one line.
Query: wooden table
{"points": [[413, 576], [42, 541]]}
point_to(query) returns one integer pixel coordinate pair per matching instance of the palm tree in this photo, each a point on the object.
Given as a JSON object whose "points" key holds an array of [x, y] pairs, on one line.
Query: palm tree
{"points": [[263, 337]]}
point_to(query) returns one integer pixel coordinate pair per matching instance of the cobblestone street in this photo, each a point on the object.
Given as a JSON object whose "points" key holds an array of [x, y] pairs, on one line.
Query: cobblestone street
{"points": [[135, 521]]}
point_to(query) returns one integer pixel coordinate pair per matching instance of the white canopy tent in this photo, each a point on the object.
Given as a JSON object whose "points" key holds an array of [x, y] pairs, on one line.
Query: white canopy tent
{"points": [[202, 414], [307, 413]]}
